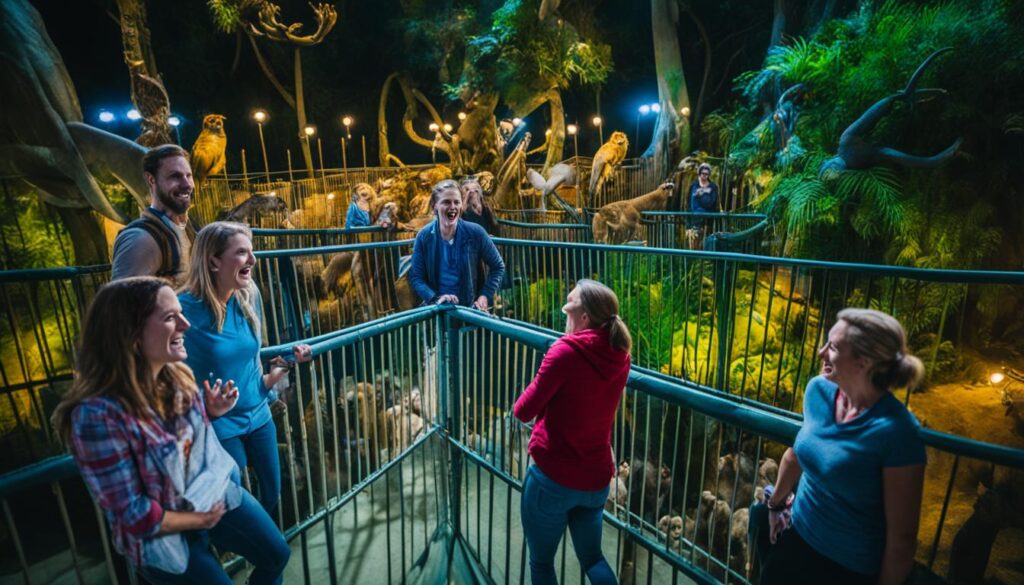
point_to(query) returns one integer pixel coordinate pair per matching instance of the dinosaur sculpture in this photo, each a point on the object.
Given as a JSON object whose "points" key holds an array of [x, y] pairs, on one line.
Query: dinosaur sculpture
{"points": [[617, 222], [855, 152]]}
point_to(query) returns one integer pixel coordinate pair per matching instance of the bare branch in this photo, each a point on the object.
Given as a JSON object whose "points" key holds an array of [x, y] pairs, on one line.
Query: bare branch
{"points": [[267, 24]]}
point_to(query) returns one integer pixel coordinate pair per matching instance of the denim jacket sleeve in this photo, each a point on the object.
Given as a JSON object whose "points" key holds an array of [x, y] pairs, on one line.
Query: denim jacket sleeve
{"points": [[496, 267], [418, 269]]}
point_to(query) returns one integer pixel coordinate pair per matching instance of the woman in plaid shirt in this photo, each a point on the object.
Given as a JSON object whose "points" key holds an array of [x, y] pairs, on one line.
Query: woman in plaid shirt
{"points": [[140, 433]]}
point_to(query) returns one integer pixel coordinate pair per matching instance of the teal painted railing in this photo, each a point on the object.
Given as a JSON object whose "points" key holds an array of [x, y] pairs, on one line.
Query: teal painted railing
{"points": [[397, 439]]}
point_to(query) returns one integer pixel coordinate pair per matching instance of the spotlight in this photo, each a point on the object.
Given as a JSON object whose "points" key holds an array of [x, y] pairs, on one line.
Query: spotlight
{"points": [[656, 108], [645, 109], [174, 121], [133, 114], [346, 121], [597, 121], [260, 116], [462, 116], [571, 129], [106, 117]]}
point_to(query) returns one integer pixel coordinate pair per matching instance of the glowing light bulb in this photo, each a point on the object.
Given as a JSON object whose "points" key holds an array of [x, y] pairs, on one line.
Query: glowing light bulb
{"points": [[571, 129], [434, 127], [174, 121], [996, 377], [346, 121], [106, 117], [133, 114], [685, 111], [645, 109], [310, 130], [597, 121], [656, 108], [260, 116], [517, 121], [447, 127], [462, 116]]}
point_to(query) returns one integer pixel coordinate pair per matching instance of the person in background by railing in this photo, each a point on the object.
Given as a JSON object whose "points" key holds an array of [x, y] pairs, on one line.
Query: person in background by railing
{"points": [[358, 214], [139, 431], [846, 505], [222, 302], [477, 211], [574, 397], [703, 199], [159, 242], [447, 254]]}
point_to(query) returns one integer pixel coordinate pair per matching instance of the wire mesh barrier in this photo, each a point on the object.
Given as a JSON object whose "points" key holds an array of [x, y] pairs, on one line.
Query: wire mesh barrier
{"points": [[401, 463]]}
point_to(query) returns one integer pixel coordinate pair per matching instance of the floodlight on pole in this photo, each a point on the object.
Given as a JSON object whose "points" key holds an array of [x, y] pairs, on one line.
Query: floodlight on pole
{"points": [[261, 117], [656, 108], [174, 121], [347, 121], [600, 129], [572, 129], [133, 115], [447, 128], [309, 130], [644, 110], [434, 127], [106, 117]]}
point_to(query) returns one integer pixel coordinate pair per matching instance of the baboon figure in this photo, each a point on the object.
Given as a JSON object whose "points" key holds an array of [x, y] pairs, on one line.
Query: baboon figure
{"points": [[617, 222]]}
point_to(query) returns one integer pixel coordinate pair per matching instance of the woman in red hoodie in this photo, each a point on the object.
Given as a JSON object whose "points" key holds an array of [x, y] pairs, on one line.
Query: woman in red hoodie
{"points": [[574, 397]]}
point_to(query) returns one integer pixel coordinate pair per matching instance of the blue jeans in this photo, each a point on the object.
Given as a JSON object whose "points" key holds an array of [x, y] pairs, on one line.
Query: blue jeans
{"points": [[260, 449], [547, 507], [248, 531]]}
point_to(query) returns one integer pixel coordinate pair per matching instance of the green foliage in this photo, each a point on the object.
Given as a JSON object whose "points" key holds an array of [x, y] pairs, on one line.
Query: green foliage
{"points": [[948, 217], [31, 237], [225, 14]]}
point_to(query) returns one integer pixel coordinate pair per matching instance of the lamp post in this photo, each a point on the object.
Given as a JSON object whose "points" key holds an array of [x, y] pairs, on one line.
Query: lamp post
{"points": [[307, 134], [261, 116], [433, 151], [347, 121], [573, 130], [174, 122], [641, 111], [600, 129]]}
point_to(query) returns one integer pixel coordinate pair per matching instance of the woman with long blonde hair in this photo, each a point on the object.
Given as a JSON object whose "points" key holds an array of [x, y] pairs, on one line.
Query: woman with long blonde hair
{"points": [[139, 431], [222, 302]]}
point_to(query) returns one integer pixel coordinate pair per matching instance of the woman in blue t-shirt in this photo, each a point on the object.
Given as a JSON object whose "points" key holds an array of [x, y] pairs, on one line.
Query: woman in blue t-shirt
{"points": [[846, 505], [223, 304]]}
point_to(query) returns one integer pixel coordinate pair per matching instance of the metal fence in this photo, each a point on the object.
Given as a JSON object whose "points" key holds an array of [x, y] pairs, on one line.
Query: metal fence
{"points": [[398, 450]]}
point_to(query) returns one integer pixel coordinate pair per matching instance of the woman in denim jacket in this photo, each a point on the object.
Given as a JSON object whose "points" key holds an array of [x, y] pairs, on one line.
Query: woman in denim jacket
{"points": [[447, 253], [138, 429]]}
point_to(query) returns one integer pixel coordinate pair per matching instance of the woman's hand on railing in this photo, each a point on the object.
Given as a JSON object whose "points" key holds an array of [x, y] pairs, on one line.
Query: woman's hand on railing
{"points": [[481, 303], [220, 398]]}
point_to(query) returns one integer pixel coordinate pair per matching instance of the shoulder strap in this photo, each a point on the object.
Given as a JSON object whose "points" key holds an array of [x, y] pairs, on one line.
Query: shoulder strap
{"points": [[165, 239]]}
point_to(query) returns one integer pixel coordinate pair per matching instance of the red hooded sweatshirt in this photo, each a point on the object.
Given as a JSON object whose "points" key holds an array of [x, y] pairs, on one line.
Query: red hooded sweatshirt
{"points": [[574, 397]]}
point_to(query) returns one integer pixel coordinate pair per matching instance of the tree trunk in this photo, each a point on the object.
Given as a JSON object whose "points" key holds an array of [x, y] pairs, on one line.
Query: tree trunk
{"points": [[770, 94], [671, 131], [87, 236], [556, 141], [148, 93], [300, 110]]}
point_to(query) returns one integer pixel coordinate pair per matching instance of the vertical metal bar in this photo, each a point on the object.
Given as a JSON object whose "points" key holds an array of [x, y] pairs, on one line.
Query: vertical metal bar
{"points": [[68, 530], [17, 541]]}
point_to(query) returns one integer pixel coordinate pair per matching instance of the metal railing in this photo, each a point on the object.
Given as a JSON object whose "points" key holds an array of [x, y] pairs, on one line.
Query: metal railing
{"points": [[399, 446], [746, 325]]}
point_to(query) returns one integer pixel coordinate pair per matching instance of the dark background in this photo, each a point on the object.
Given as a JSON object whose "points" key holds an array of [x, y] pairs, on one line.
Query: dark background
{"points": [[344, 74]]}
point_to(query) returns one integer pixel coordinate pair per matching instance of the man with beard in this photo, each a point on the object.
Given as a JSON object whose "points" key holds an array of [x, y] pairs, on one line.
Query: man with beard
{"points": [[159, 243]]}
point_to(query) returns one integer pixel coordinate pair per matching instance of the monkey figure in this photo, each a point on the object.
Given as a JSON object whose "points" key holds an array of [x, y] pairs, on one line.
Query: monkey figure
{"points": [[208, 152], [671, 529], [618, 492], [608, 158], [619, 221]]}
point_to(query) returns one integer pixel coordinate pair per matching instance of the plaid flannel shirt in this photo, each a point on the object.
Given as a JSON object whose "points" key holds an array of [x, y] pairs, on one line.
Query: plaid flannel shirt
{"points": [[117, 455]]}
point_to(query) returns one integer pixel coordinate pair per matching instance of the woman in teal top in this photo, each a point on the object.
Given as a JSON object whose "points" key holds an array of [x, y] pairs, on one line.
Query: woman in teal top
{"points": [[224, 307], [846, 505]]}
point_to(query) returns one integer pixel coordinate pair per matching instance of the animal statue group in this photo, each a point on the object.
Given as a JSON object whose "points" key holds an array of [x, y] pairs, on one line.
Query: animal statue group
{"points": [[618, 222]]}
